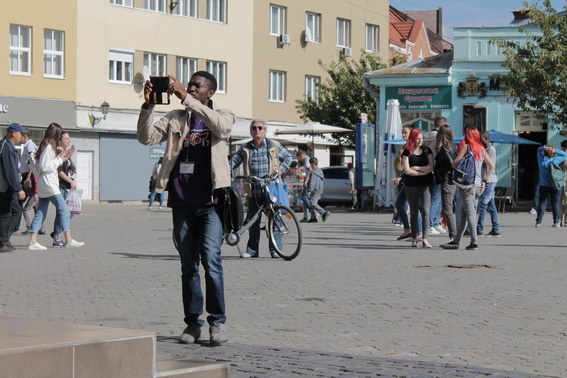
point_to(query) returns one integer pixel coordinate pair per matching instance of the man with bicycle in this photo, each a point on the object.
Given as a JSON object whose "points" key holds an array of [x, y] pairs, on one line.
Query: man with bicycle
{"points": [[194, 168], [260, 157]]}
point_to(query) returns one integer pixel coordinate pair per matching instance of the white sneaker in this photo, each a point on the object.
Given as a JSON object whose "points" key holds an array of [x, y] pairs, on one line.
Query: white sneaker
{"points": [[433, 231], [74, 244], [245, 255], [440, 228], [533, 211], [36, 247], [161, 208], [148, 208]]}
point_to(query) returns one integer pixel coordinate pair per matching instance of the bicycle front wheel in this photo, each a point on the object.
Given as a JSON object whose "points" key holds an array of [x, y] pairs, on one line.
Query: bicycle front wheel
{"points": [[284, 232]]}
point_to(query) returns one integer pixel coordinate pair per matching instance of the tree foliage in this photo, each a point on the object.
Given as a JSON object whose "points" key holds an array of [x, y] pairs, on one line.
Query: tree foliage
{"points": [[537, 77], [342, 97]]}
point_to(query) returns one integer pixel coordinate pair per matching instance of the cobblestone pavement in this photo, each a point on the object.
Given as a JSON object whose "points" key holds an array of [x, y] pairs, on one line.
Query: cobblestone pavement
{"points": [[356, 302]]}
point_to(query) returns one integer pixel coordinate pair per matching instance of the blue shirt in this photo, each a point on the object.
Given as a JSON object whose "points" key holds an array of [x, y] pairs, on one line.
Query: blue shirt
{"points": [[544, 163], [259, 163]]}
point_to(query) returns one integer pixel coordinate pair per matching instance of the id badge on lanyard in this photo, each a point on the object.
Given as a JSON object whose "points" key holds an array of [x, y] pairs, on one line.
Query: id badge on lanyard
{"points": [[187, 167]]}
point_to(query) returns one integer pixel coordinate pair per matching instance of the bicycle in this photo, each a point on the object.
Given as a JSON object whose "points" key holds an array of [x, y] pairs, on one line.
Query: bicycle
{"points": [[282, 226]]}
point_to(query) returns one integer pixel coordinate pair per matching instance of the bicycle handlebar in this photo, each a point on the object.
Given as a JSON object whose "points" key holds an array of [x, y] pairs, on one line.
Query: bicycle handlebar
{"points": [[266, 178]]}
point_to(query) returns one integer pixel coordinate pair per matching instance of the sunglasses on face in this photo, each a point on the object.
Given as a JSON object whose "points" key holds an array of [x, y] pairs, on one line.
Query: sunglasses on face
{"points": [[254, 128]]}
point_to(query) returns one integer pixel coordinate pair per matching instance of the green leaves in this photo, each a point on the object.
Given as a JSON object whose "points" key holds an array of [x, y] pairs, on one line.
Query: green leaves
{"points": [[537, 77], [342, 97]]}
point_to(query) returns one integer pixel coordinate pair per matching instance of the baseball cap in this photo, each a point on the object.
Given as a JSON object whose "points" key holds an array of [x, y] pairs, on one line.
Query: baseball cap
{"points": [[17, 127]]}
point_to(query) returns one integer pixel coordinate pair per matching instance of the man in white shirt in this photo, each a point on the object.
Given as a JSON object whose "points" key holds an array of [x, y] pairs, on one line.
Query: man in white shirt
{"points": [[28, 203]]}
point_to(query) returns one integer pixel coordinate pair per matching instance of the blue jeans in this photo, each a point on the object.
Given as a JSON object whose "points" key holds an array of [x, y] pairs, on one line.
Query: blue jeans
{"points": [[57, 228], [546, 192], [153, 198], [198, 235], [536, 193], [486, 202], [41, 213], [435, 208], [401, 205], [306, 201], [253, 247]]}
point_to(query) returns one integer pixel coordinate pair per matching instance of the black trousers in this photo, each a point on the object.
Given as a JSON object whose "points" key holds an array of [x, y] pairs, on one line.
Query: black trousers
{"points": [[10, 210]]}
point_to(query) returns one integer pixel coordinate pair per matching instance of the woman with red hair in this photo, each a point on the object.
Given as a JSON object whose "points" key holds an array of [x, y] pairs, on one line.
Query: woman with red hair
{"points": [[469, 194], [417, 161]]}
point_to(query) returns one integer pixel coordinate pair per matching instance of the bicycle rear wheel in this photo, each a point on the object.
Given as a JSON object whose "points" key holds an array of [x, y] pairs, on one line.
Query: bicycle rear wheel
{"points": [[284, 232]]}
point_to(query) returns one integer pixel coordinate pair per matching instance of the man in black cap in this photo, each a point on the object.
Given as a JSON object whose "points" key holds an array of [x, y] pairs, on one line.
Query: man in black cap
{"points": [[10, 185]]}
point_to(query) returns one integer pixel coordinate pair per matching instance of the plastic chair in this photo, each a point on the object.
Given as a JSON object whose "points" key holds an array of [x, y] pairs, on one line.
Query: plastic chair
{"points": [[503, 195]]}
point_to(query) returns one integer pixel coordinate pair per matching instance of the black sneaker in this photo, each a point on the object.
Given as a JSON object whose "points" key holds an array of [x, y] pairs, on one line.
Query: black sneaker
{"points": [[40, 232], [59, 243], [404, 236], [480, 234], [472, 247], [312, 221], [191, 334], [494, 234], [6, 248], [325, 216], [450, 245]]}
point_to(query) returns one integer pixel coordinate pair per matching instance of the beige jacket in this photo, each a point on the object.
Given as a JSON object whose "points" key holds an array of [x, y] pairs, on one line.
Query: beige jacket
{"points": [[173, 128]]}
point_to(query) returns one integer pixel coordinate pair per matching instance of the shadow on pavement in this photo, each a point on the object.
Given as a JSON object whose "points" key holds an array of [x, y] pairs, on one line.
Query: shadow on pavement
{"points": [[266, 361]]}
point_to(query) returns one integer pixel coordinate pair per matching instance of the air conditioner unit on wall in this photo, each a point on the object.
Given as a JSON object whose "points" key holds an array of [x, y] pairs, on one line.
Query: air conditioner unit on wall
{"points": [[284, 39], [346, 51]]}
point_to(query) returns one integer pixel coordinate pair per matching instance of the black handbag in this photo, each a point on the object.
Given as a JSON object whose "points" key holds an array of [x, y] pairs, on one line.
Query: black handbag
{"points": [[230, 210]]}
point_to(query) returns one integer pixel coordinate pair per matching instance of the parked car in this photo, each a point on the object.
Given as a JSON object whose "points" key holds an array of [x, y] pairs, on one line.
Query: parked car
{"points": [[336, 187]]}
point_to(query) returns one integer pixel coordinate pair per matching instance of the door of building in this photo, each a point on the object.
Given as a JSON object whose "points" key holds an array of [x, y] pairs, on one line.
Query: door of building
{"points": [[85, 173], [528, 170]]}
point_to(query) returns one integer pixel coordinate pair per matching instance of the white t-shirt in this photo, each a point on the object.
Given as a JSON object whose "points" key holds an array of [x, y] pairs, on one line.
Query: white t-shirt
{"points": [[48, 182]]}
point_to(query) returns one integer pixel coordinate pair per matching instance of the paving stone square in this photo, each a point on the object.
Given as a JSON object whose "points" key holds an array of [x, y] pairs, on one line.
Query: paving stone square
{"points": [[355, 303]]}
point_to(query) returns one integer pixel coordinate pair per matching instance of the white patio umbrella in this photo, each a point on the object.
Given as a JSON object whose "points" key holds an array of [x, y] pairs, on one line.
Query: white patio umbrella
{"points": [[282, 141], [384, 190], [312, 128]]}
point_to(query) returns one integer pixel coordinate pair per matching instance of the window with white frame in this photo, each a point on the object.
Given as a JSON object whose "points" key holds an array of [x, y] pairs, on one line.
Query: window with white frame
{"points": [[277, 19], [53, 53], [372, 38], [120, 63], [20, 49], [216, 10], [156, 63], [186, 8], [185, 68], [218, 70], [277, 86], [124, 3], [155, 5], [312, 88], [343, 32], [313, 27]]}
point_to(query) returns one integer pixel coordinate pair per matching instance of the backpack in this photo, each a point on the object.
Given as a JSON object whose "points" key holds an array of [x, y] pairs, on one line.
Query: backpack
{"points": [[464, 172], [556, 176], [32, 164]]}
